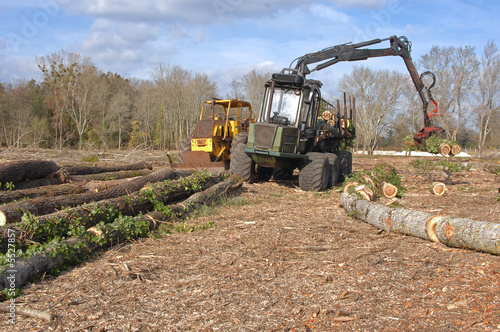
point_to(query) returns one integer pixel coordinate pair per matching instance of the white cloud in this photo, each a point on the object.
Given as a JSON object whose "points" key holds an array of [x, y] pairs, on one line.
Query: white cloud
{"points": [[329, 13]]}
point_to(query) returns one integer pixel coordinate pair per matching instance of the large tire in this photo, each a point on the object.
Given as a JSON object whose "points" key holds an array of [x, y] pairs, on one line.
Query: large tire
{"points": [[334, 169], [345, 161], [185, 147], [314, 173], [241, 163]]}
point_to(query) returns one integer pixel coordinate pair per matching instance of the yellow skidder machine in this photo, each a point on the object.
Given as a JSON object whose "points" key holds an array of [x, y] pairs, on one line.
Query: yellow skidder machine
{"points": [[210, 145]]}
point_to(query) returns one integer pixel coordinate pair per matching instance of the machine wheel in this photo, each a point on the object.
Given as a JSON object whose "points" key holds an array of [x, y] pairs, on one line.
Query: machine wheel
{"points": [[314, 173], [333, 170], [345, 161], [185, 147], [241, 163], [282, 173]]}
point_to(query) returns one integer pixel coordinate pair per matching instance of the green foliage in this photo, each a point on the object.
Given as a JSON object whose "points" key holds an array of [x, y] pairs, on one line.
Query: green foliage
{"points": [[432, 144], [7, 185], [425, 166], [8, 293], [185, 228]]}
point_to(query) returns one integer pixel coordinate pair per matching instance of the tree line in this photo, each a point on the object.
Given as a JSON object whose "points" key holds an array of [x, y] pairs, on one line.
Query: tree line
{"points": [[77, 105], [467, 91]]}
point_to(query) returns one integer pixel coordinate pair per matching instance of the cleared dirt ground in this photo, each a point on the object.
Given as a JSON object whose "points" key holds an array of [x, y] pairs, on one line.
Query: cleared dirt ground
{"points": [[281, 259]]}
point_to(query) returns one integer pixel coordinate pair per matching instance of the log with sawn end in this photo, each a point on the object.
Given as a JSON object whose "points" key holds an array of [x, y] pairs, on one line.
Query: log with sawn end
{"points": [[451, 231], [154, 196]]}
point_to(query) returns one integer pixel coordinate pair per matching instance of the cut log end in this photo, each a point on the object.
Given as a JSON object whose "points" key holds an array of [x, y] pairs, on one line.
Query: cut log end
{"points": [[365, 192], [3, 219], [438, 188], [348, 185], [389, 190], [369, 180], [431, 228], [456, 149], [444, 149]]}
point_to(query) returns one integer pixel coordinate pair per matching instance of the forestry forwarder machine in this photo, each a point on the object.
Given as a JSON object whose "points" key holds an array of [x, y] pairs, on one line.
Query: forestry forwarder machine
{"points": [[210, 145], [290, 133]]}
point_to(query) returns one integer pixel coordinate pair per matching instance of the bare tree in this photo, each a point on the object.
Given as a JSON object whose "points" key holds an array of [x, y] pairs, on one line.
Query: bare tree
{"points": [[237, 91], [253, 84], [377, 94], [487, 102], [178, 97]]}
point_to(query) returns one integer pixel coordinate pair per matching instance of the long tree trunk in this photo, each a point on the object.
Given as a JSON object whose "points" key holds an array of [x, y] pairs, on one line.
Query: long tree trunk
{"points": [[12, 212], [46, 191], [451, 231]]}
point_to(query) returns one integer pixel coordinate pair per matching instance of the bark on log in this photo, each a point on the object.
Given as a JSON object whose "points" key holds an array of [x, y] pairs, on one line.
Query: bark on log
{"points": [[111, 175], [16, 171], [58, 177], [13, 212], [85, 170], [49, 191], [451, 231], [96, 186], [38, 264], [438, 188]]}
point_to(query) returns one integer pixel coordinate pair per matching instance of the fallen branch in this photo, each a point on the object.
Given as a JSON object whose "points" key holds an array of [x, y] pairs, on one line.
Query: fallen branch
{"points": [[17, 310], [12, 212], [451, 231]]}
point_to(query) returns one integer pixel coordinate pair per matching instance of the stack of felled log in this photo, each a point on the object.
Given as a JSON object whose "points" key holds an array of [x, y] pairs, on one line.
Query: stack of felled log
{"points": [[70, 212]]}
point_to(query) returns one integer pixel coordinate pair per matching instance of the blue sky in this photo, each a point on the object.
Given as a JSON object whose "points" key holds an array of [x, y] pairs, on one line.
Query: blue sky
{"points": [[227, 38]]}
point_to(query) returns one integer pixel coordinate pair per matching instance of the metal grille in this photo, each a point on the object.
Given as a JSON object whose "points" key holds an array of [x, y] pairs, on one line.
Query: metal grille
{"points": [[264, 135]]}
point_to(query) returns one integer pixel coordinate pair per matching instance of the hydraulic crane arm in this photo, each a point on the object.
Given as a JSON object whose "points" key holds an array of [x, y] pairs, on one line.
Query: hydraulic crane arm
{"points": [[399, 46]]}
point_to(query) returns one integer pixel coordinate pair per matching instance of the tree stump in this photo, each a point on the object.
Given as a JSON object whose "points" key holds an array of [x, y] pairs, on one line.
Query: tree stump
{"points": [[438, 188]]}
